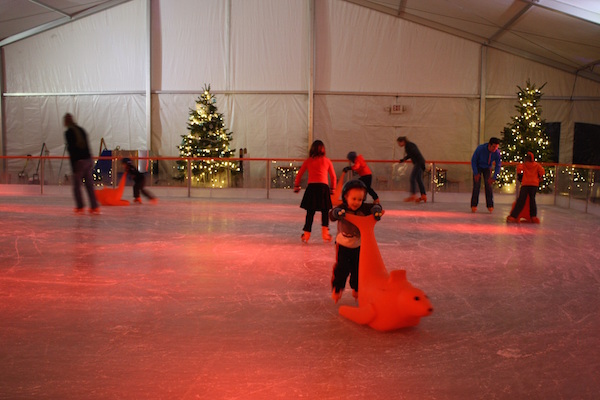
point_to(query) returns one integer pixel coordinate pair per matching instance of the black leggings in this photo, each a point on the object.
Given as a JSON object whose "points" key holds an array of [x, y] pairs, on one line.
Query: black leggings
{"points": [[310, 215], [526, 191], [367, 180]]}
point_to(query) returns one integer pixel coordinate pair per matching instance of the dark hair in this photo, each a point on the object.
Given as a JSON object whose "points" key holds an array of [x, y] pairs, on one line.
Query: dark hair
{"points": [[317, 149], [68, 119], [401, 139], [351, 156], [494, 140]]}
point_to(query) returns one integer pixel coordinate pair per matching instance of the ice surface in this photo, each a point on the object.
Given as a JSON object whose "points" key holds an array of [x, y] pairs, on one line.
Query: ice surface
{"points": [[219, 299]]}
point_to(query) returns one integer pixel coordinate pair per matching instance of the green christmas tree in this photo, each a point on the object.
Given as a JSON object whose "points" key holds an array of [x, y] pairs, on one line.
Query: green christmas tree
{"points": [[526, 133], [207, 138]]}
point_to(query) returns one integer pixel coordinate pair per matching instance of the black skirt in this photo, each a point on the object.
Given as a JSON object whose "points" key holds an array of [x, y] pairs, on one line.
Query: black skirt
{"points": [[317, 197]]}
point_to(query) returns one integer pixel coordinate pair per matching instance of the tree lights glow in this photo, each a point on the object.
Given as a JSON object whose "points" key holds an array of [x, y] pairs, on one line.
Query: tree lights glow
{"points": [[526, 133], [207, 138]]}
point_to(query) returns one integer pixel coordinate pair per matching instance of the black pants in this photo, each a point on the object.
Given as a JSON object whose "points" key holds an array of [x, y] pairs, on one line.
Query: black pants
{"points": [[416, 179], [367, 180], [484, 175], [346, 264], [138, 187], [523, 194]]}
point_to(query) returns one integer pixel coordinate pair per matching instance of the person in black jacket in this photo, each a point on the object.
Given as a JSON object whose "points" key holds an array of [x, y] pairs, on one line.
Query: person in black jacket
{"points": [[81, 164], [139, 181], [416, 176]]}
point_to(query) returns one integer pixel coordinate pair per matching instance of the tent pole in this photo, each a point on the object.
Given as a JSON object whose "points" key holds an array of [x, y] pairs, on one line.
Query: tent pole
{"points": [[3, 166], [149, 75], [311, 69], [482, 93]]}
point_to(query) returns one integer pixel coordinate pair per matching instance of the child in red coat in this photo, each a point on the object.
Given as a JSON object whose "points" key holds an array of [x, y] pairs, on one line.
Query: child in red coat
{"points": [[317, 196], [360, 166], [530, 173]]}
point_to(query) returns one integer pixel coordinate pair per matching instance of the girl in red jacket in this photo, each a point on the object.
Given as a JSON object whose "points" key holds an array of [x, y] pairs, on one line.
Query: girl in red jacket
{"points": [[317, 196], [531, 173]]}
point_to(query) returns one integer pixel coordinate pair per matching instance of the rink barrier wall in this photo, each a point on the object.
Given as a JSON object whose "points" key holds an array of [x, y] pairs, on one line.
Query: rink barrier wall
{"points": [[272, 178]]}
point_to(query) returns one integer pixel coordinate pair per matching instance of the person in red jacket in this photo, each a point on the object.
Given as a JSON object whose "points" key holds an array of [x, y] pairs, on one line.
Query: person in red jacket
{"points": [[529, 173], [317, 196], [365, 175]]}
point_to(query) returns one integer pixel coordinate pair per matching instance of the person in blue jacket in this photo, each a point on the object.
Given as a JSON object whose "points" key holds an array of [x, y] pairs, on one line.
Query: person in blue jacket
{"points": [[484, 157]]}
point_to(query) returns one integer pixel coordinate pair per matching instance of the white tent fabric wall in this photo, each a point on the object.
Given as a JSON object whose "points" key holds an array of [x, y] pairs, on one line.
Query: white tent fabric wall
{"points": [[32, 121], [100, 53], [93, 68], [256, 56], [361, 50]]}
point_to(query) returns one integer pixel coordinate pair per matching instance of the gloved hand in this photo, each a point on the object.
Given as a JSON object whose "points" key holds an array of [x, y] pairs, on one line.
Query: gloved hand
{"points": [[491, 180], [476, 178], [332, 191], [401, 161], [377, 212], [338, 213], [348, 168], [296, 189]]}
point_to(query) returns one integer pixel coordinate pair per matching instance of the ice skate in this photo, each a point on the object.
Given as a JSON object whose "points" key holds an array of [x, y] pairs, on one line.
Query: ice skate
{"points": [[325, 234], [305, 236], [336, 296]]}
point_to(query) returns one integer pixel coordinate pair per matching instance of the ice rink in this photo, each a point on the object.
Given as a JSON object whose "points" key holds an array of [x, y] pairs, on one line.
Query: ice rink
{"points": [[219, 299]]}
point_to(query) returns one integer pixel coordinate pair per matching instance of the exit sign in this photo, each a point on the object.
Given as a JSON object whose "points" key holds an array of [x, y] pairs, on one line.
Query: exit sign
{"points": [[396, 109]]}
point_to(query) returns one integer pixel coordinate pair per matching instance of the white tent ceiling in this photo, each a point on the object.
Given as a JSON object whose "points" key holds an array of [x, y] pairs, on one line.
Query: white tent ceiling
{"points": [[561, 33], [22, 18]]}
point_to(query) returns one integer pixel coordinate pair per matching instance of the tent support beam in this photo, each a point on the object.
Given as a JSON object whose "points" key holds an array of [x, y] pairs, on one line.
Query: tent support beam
{"points": [[482, 93], [61, 21], [311, 70], [149, 143], [510, 23]]}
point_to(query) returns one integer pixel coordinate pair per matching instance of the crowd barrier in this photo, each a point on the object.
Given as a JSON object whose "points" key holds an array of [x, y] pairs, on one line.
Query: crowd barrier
{"points": [[573, 185]]}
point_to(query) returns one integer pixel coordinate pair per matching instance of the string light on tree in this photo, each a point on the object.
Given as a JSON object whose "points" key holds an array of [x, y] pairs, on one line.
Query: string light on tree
{"points": [[207, 138], [526, 133]]}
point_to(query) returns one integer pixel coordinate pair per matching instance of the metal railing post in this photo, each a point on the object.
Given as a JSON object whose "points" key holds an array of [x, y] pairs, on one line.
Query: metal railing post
{"points": [[189, 177], [268, 178], [589, 189], [555, 183], [42, 162], [433, 176]]}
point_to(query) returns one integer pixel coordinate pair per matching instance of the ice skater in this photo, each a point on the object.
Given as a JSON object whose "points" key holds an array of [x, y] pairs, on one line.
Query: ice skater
{"points": [[317, 196], [360, 166], [529, 174], [347, 240], [416, 176], [139, 181], [81, 164], [484, 157]]}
